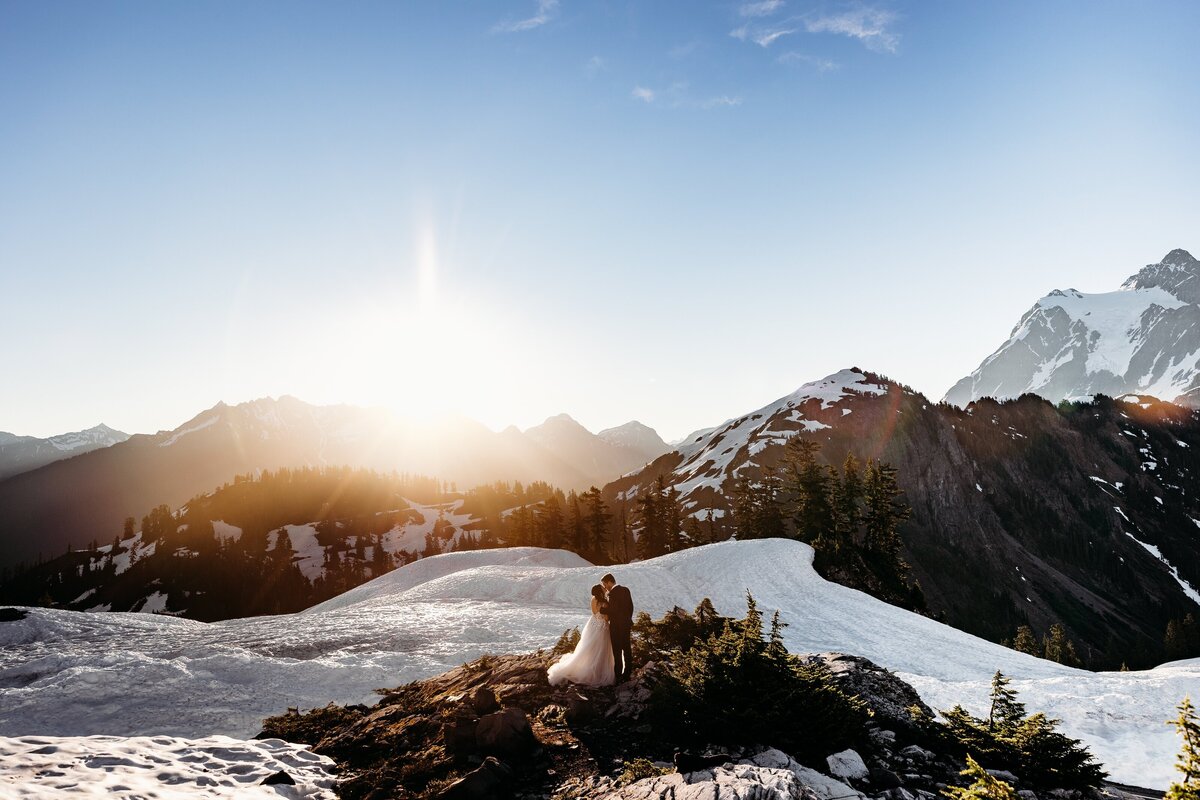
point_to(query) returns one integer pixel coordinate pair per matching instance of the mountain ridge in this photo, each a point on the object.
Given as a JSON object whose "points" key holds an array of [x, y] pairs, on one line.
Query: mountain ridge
{"points": [[20, 453], [1078, 515], [1143, 338], [85, 498]]}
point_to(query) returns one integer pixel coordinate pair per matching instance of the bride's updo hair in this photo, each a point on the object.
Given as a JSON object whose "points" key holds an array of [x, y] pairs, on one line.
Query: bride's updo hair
{"points": [[598, 592]]}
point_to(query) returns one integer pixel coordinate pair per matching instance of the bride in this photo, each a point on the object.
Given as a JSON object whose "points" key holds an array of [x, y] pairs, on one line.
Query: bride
{"points": [[592, 662]]}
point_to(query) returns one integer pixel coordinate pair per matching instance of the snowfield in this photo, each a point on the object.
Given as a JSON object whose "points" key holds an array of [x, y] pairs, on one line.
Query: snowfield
{"points": [[75, 674]]}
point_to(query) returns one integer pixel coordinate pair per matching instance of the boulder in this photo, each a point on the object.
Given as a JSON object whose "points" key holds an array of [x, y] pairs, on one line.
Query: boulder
{"points": [[505, 733], [888, 697], [489, 780], [732, 782], [483, 701], [916, 753], [578, 707], [848, 765], [885, 779], [459, 736], [280, 778]]}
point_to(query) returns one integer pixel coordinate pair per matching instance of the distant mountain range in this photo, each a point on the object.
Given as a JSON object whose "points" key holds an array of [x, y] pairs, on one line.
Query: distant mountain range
{"points": [[1022, 512], [1142, 339], [23, 453], [73, 501]]}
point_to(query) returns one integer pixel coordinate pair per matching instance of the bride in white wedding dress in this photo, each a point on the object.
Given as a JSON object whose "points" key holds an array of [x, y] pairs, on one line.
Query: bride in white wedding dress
{"points": [[591, 664]]}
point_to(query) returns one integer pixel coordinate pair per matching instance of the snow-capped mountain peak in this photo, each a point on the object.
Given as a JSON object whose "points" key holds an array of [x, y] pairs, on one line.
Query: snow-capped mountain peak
{"points": [[23, 453], [635, 436], [1142, 339], [1178, 273], [712, 456]]}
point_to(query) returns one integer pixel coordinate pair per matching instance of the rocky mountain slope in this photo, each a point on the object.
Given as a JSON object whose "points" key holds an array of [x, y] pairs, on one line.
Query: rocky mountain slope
{"points": [[1142, 339], [75, 501], [22, 453], [1022, 513]]}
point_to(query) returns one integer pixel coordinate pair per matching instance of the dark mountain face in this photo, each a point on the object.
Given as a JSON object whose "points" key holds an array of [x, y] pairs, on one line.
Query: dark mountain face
{"points": [[85, 498], [1022, 512], [22, 453]]}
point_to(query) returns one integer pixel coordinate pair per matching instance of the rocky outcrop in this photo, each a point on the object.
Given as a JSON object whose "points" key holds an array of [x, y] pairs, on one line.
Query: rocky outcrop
{"points": [[495, 728]]}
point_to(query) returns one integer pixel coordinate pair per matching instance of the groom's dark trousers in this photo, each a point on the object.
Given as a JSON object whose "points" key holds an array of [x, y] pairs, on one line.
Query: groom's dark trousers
{"points": [[620, 624]]}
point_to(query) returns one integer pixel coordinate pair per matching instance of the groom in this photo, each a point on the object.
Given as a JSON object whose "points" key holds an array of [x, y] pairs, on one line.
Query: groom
{"points": [[620, 623]]}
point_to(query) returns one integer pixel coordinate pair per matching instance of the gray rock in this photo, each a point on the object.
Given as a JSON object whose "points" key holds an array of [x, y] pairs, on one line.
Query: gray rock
{"points": [[847, 765]]}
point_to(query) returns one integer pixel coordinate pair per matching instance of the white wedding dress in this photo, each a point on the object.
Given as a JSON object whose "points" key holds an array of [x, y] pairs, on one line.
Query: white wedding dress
{"points": [[591, 664]]}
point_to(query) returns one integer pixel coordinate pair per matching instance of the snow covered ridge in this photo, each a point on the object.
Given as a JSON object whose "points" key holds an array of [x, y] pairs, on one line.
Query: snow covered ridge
{"points": [[708, 454], [60, 671], [1144, 338], [23, 453]]}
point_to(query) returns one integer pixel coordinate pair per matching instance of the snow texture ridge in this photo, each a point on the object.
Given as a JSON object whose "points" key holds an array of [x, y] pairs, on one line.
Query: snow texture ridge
{"points": [[73, 673]]}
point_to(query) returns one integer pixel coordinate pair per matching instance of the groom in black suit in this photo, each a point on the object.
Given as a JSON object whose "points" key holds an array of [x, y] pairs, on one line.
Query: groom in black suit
{"points": [[620, 625]]}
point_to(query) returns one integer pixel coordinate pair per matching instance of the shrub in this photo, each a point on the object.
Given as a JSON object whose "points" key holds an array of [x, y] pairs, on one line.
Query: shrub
{"points": [[566, 643], [639, 769], [1029, 746], [677, 631], [735, 687]]}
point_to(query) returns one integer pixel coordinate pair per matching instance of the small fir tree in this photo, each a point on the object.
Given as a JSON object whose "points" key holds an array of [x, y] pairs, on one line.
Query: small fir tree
{"points": [[1188, 726]]}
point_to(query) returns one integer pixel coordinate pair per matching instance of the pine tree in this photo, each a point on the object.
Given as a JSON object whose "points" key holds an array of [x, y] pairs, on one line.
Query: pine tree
{"points": [[847, 499], [984, 786], [1026, 642], [1188, 726], [808, 483], [549, 524], [652, 539], [883, 513], [1006, 711], [595, 521]]}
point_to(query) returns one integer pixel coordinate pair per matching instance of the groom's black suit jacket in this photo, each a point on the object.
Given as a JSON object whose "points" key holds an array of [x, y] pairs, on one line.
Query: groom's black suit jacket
{"points": [[620, 608]]}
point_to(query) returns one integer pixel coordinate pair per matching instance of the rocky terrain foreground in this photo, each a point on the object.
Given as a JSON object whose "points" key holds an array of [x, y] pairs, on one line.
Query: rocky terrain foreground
{"points": [[494, 727]]}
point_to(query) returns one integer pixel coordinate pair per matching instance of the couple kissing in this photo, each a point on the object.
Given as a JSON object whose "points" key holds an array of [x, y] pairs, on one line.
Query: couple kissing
{"points": [[604, 655]]}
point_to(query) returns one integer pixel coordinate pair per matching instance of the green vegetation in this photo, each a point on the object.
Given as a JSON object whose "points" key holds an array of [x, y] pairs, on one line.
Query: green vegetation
{"points": [[1188, 726], [851, 516], [1029, 746], [984, 786], [639, 769], [1055, 645], [712, 689]]}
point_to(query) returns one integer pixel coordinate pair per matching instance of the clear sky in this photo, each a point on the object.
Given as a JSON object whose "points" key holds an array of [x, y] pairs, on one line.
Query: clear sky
{"points": [[669, 211]]}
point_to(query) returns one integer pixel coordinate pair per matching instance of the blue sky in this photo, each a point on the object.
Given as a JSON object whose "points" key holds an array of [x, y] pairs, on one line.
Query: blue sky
{"points": [[670, 211]]}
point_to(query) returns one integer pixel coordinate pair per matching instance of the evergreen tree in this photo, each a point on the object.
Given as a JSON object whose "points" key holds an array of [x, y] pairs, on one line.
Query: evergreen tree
{"points": [[809, 485], [1006, 711], [1026, 642], [549, 523], [847, 500], [576, 534], [984, 785], [883, 513], [1188, 726], [672, 516], [595, 521], [127, 531], [652, 538], [1057, 647]]}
